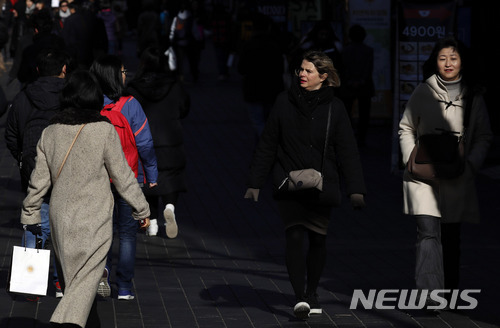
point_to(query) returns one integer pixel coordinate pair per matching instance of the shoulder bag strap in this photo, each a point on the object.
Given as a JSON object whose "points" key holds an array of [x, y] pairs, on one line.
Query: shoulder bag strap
{"points": [[467, 110], [67, 153], [326, 136]]}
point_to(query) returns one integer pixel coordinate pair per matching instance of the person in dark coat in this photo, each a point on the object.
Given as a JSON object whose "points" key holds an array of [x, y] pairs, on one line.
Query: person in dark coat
{"points": [[16, 18], [261, 65], [30, 113], [41, 22], [148, 27], [357, 59], [321, 37], [294, 139], [165, 103], [85, 35]]}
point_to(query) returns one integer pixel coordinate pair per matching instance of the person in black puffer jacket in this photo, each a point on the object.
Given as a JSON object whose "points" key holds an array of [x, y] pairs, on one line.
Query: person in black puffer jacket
{"points": [[30, 113]]}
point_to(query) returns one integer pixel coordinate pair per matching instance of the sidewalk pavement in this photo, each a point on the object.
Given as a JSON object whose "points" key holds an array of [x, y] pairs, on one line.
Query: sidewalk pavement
{"points": [[226, 267]]}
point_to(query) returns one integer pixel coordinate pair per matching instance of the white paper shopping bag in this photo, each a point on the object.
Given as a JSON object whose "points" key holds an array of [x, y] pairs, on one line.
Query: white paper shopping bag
{"points": [[30, 271]]}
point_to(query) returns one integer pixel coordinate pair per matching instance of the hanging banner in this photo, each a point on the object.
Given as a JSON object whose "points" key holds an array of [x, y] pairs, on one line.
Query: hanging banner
{"points": [[300, 11], [276, 9], [375, 17], [419, 27]]}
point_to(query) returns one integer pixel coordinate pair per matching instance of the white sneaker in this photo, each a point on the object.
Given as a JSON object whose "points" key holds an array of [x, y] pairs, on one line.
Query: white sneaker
{"points": [[301, 310], [152, 230], [170, 224]]}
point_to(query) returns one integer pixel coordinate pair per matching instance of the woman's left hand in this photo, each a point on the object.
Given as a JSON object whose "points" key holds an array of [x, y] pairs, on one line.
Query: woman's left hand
{"points": [[151, 185], [357, 201]]}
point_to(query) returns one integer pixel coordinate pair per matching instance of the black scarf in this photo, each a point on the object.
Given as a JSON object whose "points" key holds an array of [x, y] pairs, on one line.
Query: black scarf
{"points": [[309, 100]]}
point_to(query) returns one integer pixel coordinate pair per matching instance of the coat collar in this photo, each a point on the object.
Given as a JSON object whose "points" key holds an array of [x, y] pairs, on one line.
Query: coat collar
{"points": [[308, 101], [74, 116]]}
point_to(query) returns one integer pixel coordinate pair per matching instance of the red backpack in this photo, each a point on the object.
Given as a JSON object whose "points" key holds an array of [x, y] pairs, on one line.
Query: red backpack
{"points": [[113, 112]]}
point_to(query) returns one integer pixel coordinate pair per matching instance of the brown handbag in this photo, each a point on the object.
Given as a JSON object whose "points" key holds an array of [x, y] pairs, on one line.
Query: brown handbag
{"points": [[440, 156], [308, 178], [437, 156]]}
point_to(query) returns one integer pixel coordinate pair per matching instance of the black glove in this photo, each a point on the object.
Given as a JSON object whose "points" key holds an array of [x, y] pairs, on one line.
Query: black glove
{"points": [[252, 193], [357, 201], [35, 229]]}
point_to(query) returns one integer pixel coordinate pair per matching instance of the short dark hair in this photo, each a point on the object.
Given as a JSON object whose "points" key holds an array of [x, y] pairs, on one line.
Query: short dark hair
{"points": [[430, 65], [82, 91], [107, 69], [152, 60], [50, 62], [41, 20], [357, 33]]}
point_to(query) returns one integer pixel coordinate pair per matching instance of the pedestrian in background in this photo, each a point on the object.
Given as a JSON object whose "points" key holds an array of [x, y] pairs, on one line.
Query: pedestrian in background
{"points": [[439, 207], [111, 26], [261, 64], [84, 35], [148, 26], [294, 139], [222, 33], [81, 203], [111, 75], [16, 19], [321, 37], [182, 38], [165, 103], [42, 38], [60, 14], [357, 81]]}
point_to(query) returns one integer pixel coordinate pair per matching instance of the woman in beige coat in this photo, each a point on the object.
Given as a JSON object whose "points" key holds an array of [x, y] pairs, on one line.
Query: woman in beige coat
{"points": [[440, 206], [81, 202]]}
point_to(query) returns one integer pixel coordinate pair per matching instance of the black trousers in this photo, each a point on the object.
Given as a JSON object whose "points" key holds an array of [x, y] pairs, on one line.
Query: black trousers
{"points": [[450, 239], [301, 263]]}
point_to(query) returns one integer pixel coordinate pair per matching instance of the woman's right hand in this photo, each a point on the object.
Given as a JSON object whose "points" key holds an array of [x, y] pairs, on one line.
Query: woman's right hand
{"points": [[253, 194], [145, 223], [357, 201]]}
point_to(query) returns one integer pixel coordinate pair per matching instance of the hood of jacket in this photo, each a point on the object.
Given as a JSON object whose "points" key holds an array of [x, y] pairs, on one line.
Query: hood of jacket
{"points": [[307, 101], [437, 86], [153, 86], [44, 92]]}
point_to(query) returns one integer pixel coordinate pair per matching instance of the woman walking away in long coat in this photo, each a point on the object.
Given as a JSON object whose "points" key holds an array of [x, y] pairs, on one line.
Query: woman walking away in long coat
{"points": [[81, 205]]}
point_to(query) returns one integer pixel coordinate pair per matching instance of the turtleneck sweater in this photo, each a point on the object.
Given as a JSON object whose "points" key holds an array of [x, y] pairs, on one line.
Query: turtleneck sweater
{"points": [[454, 87]]}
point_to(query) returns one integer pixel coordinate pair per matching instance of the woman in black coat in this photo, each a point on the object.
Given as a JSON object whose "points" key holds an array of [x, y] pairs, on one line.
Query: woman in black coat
{"points": [[165, 103], [294, 139]]}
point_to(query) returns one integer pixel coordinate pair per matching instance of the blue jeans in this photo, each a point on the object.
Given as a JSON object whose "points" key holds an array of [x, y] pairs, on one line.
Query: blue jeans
{"points": [[429, 273], [31, 238], [258, 113], [126, 227]]}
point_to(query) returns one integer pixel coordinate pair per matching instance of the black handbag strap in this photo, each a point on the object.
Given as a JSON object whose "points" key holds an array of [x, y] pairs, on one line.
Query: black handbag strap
{"points": [[328, 123], [467, 110]]}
